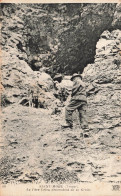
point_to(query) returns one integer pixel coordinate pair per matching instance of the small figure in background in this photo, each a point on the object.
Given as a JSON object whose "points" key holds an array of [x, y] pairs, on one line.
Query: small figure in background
{"points": [[61, 92]]}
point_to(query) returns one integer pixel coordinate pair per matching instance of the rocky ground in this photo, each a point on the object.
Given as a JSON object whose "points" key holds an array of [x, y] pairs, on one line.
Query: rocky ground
{"points": [[35, 148]]}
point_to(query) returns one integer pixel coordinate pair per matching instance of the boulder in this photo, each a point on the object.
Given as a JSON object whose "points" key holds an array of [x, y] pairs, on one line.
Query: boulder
{"points": [[45, 80]]}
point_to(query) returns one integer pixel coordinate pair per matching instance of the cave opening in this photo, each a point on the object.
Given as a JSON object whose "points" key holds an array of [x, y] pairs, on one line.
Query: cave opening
{"points": [[63, 40]]}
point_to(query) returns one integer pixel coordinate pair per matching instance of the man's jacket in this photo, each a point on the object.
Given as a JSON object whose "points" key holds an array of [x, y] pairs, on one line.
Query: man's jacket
{"points": [[78, 91]]}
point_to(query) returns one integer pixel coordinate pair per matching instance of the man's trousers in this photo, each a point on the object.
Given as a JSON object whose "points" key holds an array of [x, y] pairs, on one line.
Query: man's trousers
{"points": [[81, 106]]}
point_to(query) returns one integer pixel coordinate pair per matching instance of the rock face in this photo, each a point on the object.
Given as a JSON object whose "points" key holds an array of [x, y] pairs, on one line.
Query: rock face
{"points": [[103, 83], [117, 17], [56, 37], [20, 81]]}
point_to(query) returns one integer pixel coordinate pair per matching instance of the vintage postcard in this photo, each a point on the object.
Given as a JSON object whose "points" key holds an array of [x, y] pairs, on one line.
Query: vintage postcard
{"points": [[60, 131]]}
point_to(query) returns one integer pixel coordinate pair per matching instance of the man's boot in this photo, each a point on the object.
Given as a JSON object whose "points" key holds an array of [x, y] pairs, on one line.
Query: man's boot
{"points": [[67, 126]]}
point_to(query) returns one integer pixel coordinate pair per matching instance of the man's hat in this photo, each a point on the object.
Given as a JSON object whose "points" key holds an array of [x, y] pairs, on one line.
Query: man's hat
{"points": [[75, 75]]}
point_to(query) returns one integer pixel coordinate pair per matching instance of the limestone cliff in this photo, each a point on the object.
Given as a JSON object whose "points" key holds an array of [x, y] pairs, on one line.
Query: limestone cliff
{"points": [[103, 79]]}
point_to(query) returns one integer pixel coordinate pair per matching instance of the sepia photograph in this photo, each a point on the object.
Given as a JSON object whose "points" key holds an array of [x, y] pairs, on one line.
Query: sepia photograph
{"points": [[60, 99]]}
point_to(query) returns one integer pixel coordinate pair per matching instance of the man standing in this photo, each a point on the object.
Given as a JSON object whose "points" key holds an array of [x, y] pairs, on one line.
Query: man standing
{"points": [[78, 101]]}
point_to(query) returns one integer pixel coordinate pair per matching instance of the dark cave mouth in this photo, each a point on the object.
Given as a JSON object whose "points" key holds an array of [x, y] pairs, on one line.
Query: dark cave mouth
{"points": [[71, 68], [77, 44]]}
